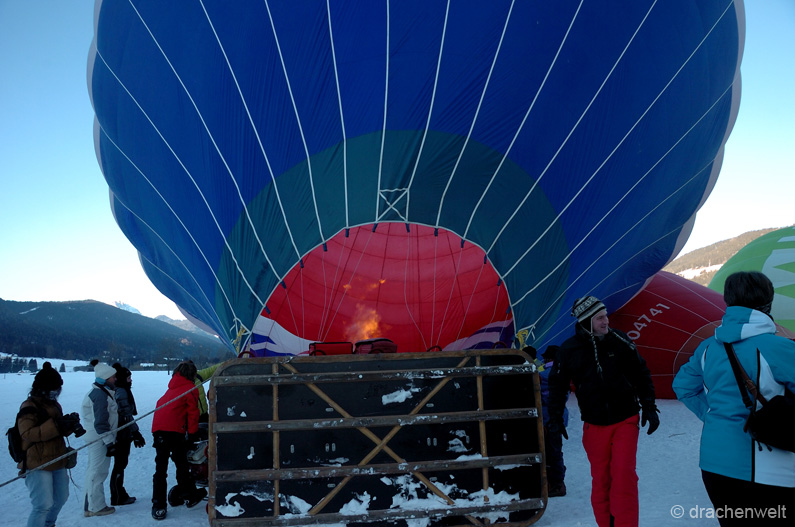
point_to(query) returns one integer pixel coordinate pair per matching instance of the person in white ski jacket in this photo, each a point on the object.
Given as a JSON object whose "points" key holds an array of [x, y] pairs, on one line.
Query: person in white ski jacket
{"points": [[99, 414], [737, 471]]}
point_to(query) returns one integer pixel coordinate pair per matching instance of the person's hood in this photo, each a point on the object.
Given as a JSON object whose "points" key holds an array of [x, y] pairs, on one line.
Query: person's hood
{"points": [[740, 323]]}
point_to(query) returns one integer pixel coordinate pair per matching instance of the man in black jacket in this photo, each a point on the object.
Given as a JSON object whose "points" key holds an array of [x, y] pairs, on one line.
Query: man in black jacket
{"points": [[612, 383]]}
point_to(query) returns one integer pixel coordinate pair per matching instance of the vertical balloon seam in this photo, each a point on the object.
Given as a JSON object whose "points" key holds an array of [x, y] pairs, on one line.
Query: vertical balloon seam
{"points": [[187, 172], [303, 307], [469, 304], [405, 289], [653, 102], [692, 127], [342, 114], [521, 127], [564, 143], [337, 271], [182, 263], [176, 216], [357, 232], [298, 120], [452, 288], [435, 274], [165, 201], [259, 142], [443, 317], [381, 273], [474, 117], [430, 108], [383, 125], [289, 305]]}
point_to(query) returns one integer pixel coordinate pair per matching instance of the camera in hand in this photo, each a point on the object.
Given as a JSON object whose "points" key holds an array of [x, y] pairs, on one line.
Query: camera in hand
{"points": [[78, 428]]}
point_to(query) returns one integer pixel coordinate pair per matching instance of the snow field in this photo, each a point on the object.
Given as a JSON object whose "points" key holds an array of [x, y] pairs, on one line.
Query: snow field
{"points": [[667, 465]]}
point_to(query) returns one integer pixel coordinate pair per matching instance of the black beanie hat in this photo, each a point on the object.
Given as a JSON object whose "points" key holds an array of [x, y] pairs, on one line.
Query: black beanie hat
{"points": [[47, 380], [122, 374]]}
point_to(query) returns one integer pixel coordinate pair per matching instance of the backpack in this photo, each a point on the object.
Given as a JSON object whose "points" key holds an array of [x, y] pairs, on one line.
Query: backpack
{"points": [[15, 444], [18, 454]]}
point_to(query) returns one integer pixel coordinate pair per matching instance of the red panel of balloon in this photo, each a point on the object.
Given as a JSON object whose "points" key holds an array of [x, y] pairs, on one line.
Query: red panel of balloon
{"points": [[668, 319], [418, 288]]}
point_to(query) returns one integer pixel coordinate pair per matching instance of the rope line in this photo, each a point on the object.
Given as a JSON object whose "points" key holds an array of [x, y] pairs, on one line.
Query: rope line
{"points": [[76, 450]]}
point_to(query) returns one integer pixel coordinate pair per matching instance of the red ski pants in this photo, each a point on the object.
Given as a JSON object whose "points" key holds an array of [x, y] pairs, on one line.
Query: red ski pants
{"points": [[612, 451]]}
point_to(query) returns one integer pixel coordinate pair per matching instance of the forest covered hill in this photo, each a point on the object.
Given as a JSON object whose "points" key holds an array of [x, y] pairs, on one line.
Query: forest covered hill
{"points": [[702, 264], [88, 329]]}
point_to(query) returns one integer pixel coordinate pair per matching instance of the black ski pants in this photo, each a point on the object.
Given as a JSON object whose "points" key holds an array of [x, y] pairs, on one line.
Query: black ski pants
{"points": [[170, 445]]}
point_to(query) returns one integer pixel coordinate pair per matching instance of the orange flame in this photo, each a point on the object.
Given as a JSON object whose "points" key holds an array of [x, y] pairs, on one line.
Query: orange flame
{"points": [[364, 325]]}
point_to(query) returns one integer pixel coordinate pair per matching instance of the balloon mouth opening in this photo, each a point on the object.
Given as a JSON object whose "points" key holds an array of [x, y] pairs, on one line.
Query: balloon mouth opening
{"points": [[416, 285]]}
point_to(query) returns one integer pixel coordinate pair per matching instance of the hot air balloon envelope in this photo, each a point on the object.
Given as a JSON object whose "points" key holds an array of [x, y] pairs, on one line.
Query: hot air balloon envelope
{"points": [[441, 174]]}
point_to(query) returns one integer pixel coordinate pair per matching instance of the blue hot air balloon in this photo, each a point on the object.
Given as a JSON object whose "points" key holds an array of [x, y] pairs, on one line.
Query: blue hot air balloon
{"points": [[439, 173]]}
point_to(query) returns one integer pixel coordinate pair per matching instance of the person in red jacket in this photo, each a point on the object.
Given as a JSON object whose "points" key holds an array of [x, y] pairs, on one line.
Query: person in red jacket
{"points": [[177, 414]]}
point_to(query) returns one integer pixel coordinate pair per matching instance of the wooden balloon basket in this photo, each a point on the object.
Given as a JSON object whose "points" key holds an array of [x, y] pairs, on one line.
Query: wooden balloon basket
{"points": [[454, 437]]}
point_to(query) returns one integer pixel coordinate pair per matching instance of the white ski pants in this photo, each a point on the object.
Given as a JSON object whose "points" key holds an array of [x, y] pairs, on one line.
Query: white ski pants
{"points": [[96, 474]]}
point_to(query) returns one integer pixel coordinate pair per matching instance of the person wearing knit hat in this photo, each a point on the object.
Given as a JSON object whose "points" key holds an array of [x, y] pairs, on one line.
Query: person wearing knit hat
{"points": [[100, 415], [47, 382], [125, 437], [584, 310], [43, 427], [615, 395], [103, 372]]}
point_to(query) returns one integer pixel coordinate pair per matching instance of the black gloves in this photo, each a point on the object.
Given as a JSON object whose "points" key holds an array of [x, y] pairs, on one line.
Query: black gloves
{"points": [[66, 424], [555, 427], [649, 415], [194, 438], [111, 450], [138, 439]]}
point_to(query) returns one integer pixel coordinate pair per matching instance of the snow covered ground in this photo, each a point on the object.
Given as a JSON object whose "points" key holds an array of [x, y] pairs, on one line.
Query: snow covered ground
{"points": [[667, 466]]}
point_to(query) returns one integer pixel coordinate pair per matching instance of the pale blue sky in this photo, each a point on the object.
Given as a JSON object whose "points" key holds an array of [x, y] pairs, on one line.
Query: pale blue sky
{"points": [[58, 239]]}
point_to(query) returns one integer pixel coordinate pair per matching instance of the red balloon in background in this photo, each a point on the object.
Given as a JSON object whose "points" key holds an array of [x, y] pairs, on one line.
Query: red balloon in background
{"points": [[668, 319]]}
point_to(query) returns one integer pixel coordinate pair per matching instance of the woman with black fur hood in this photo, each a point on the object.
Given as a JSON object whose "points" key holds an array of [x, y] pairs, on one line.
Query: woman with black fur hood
{"points": [[43, 428], [124, 437]]}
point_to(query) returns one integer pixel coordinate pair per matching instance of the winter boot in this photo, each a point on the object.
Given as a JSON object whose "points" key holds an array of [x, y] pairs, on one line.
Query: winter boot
{"points": [[158, 514], [175, 496], [196, 498]]}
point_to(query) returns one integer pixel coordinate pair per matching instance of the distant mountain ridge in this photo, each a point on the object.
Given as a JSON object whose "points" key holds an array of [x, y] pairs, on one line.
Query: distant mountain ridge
{"points": [[701, 265], [127, 307], [185, 325], [89, 329]]}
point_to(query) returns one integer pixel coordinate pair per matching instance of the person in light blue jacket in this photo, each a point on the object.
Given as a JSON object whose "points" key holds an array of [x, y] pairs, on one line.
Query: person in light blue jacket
{"points": [[736, 470]]}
